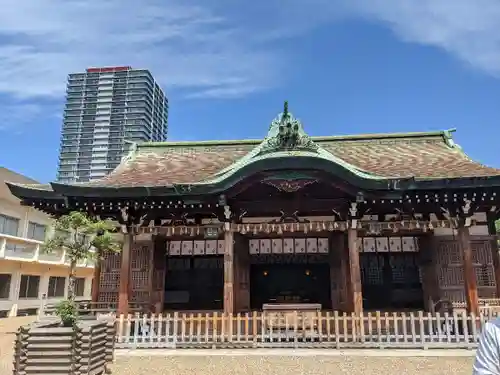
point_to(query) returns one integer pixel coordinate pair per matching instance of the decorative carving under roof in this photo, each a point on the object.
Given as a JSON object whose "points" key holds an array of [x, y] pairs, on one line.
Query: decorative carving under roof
{"points": [[287, 134]]}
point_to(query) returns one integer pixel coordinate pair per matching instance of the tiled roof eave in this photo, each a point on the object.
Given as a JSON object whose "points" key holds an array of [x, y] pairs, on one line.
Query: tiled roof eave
{"points": [[457, 182], [32, 191], [394, 184]]}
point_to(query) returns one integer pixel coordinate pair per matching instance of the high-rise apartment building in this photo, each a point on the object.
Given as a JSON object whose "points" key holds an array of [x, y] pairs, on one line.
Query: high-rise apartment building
{"points": [[107, 109]]}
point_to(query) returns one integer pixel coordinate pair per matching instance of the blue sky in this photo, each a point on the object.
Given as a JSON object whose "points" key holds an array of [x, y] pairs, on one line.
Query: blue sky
{"points": [[345, 66]]}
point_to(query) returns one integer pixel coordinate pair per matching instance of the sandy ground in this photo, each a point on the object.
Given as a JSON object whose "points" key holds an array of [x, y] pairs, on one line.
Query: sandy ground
{"points": [[258, 363], [304, 365], [8, 328]]}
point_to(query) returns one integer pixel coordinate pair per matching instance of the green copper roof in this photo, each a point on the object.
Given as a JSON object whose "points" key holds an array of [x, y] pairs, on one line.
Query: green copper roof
{"points": [[285, 138], [369, 161]]}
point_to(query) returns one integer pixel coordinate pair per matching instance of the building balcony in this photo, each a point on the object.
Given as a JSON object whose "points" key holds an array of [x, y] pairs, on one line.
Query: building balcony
{"points": [[27, 250]]}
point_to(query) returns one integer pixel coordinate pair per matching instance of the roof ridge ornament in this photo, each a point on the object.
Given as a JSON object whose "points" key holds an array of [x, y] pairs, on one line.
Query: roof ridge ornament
{"points": [[286, 133]]}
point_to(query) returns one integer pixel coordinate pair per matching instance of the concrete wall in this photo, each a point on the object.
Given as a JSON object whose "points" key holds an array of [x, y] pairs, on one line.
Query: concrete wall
{"points": [[20, 255]]}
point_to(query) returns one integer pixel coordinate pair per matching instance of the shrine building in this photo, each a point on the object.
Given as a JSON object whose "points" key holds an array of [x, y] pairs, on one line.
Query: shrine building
{"points": [[362, 222]]}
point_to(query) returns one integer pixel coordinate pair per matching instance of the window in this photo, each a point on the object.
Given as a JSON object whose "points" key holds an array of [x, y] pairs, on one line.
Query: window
{"points": [[5, 279], [79, 286], [37, 231], [30, 285], [9, 225], [56, 286]]}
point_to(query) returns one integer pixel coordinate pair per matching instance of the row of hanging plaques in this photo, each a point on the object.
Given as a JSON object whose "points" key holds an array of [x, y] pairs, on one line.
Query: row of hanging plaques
{"points": [[387, 244], [293, 246], [288, 246], [201, 247]]}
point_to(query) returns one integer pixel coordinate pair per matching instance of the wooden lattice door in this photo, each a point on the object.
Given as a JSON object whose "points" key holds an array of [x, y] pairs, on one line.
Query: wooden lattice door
{"points": [[109, 279], [449, 268], [140, 273]]}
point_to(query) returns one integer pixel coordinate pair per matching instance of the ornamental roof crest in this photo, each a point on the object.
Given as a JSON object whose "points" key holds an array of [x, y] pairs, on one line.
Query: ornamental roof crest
{"points": [[287, 134]]}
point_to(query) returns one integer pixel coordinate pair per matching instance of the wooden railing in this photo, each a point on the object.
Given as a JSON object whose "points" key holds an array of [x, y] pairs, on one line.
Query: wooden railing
{"points": [[322, 330]]}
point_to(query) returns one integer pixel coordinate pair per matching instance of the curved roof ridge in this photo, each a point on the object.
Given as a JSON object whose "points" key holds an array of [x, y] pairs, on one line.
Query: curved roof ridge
{"points": [[236, 142], [286, 138]]}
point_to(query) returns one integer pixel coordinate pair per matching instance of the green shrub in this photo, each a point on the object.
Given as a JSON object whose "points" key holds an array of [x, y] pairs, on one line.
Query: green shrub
{"points": [[68, 312]]}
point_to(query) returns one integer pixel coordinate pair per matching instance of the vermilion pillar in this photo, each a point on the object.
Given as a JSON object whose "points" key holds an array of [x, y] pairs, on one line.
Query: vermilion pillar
{"points": [[470, 284]]}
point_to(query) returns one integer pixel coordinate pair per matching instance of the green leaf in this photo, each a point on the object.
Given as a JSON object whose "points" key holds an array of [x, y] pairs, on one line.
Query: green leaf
{"points": [[68, 312], [82, 237]]}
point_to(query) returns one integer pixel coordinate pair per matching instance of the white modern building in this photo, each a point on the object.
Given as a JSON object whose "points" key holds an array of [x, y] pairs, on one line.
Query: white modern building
{"points": [[29, 276], [105, 108]]}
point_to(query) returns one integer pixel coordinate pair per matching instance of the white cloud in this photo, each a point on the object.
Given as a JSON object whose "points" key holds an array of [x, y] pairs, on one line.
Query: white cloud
{"points": [[182, 43], [218, 48], [468, 29]]}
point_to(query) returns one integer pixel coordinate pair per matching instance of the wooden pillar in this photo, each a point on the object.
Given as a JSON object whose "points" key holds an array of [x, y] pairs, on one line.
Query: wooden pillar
{"points": [[228, 270], [123, 296], [470, 284], [427, 258], [96, 280], [494, 251], [337, 259], [241, 274], [354, 274]]}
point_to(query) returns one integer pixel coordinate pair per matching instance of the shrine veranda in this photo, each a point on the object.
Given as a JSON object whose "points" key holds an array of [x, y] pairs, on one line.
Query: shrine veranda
{"points": [[354, 223]]}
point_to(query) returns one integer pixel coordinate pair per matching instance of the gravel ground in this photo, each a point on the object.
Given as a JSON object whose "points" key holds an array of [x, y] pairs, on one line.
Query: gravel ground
{"points": [[276, 365]]}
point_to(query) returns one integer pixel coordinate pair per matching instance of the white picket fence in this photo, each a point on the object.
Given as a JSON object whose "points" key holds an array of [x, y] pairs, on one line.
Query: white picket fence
{"points": [[300, 329]]}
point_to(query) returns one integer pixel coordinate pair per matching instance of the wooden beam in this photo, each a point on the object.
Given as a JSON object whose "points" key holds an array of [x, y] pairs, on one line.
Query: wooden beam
{"points": [[470, 284], [273, 206], [228, 272], [123, 296]]}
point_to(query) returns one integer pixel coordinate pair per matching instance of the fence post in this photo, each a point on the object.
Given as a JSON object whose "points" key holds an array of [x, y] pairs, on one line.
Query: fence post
{"points": [[361, 327], [379, 327], [337, 328], [214, 329], [254, 328], [421, 324], [473, 319], [175, 329], [417, 330]]}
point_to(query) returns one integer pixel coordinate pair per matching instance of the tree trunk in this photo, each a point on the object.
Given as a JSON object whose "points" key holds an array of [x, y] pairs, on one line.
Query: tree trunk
{"points": [[71, 284]]}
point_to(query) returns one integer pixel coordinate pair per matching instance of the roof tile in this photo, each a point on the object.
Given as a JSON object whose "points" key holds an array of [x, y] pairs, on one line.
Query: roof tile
{"points": [[425, 157]]}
